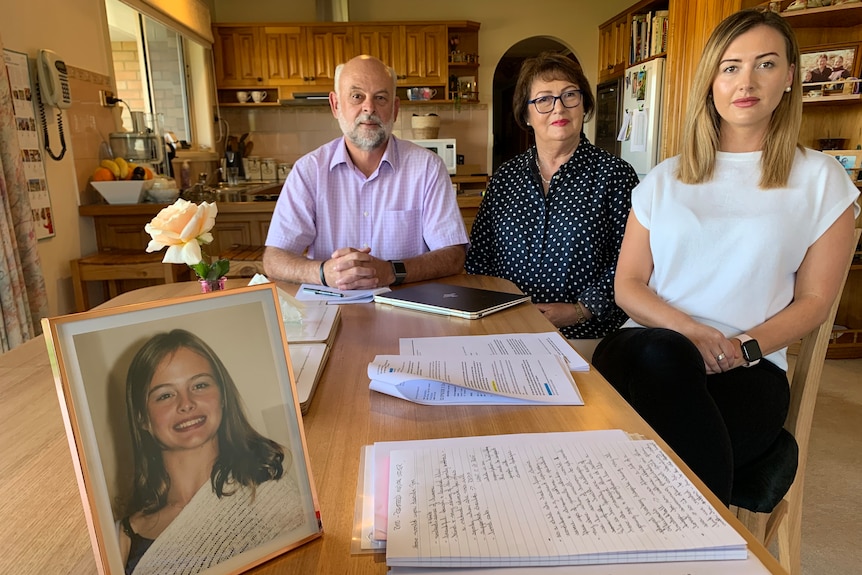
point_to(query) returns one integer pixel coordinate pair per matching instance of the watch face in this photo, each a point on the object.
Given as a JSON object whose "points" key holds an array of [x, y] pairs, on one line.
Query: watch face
{"points": [[399, 268], [751, 350]]}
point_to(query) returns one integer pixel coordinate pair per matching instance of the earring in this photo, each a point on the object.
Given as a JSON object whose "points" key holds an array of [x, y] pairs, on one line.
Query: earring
{"points": [[787, 89]]}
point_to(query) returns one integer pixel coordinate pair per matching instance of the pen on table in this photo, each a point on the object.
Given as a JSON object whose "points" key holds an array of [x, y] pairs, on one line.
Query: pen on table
{"points": [[322, 292]]}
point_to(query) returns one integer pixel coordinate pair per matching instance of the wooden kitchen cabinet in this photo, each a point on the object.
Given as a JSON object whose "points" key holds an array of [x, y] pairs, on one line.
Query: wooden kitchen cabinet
{"points": [[303, 55], [328, 47], [613, 47], [417, 53], [238, 58], [285, 54], [287, 58], [425, 49]]}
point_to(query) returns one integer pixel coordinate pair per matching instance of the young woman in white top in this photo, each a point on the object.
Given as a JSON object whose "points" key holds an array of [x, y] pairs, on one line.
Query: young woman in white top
{"points": [[733, 250]]}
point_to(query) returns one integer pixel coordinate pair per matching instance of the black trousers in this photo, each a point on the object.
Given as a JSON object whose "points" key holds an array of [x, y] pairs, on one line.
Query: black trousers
{"points": [[715, 423]]}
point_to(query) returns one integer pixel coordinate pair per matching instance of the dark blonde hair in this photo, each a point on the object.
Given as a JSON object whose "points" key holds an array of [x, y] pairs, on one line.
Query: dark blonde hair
{"points": [[549, 66], [702, 123]]}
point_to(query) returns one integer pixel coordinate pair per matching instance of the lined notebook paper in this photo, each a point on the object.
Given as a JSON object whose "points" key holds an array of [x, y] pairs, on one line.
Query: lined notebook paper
{"points": [[565, 502]]}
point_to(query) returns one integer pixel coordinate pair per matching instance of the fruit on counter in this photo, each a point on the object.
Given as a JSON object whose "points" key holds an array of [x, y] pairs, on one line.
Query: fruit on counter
{"points": [[112, 166], [103, 175], [123, 167], [120, 169]]}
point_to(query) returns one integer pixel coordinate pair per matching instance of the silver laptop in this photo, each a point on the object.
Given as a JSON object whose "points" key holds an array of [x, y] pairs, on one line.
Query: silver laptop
{"points": [[445, 299]]}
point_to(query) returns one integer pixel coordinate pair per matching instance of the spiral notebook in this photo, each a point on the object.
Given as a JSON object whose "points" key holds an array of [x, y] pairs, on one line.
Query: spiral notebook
{"points": [[445, 299]]}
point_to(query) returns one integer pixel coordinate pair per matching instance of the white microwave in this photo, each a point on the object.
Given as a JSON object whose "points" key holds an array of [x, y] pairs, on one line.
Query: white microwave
{"points": [[443, 147]]}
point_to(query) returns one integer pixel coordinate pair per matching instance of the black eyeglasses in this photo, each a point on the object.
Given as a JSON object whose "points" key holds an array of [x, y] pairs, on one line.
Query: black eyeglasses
{"points": [[545, 104]]}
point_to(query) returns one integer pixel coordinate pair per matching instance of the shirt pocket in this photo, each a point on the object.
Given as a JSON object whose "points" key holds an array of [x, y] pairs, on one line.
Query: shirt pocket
{"points": [[401, 234]]}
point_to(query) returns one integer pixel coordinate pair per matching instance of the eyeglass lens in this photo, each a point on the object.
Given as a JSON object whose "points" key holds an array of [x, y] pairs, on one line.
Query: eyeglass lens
{"points": [[545, 104]]}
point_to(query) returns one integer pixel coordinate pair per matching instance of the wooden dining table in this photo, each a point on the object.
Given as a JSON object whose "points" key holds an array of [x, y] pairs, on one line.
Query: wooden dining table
{"points": [[43, 527]]}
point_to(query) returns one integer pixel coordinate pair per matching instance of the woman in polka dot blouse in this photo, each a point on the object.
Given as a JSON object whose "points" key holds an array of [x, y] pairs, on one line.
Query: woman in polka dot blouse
{"points": [[552, 218]]}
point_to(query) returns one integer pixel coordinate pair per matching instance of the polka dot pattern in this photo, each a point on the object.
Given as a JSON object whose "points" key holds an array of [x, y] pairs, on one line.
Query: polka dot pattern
{"points": [[563, 247]]}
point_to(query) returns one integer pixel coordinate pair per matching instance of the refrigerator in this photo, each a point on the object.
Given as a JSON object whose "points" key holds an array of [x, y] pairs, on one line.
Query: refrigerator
{"points": [[640, 133], [609, 115]]}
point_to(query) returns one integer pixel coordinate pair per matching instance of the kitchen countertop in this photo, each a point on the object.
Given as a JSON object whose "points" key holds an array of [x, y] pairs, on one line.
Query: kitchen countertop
{"points": [[270, 189]]}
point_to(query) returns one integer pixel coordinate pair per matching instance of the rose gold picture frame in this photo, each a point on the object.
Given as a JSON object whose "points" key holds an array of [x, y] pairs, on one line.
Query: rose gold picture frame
{"points": [[196, 392]]}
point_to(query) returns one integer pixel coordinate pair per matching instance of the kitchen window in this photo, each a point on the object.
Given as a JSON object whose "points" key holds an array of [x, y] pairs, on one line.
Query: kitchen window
{"points": [[160, 71]]}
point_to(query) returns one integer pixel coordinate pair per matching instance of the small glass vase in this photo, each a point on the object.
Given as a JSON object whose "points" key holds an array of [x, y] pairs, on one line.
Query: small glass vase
{"points": [[208, 286]]}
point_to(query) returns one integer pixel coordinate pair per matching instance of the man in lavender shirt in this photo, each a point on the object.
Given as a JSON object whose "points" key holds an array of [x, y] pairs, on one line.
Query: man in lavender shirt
{"points": [[366, 209]]}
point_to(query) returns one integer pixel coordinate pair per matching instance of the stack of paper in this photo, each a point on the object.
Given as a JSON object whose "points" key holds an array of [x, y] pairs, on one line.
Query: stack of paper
{"points": [[532, 500], [309, 343], [513, 369], [310, 328], [334, 296]]}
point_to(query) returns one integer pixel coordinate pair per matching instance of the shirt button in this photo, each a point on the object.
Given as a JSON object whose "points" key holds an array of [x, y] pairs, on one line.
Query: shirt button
{"points": [[365, 214]]}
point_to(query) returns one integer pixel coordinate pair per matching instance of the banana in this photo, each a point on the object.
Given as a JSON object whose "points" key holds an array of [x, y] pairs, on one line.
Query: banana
{"points": [[112, 166], [124, 167]]}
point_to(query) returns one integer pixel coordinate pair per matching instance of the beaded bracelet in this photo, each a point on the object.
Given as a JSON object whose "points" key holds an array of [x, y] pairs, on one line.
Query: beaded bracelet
{"points": [[323, 274]]}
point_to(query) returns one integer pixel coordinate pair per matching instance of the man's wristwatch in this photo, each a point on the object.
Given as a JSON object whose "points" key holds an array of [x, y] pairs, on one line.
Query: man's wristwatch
{"points": [[399, 270], [750, 350]]}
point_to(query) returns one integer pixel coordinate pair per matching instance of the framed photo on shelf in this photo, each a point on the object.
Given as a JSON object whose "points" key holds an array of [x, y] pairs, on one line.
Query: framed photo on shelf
{"points": [[849, 159], [184, 434], [825, 68]]}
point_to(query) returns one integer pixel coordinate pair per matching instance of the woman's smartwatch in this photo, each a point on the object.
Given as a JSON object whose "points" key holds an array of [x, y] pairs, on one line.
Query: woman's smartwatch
{"points": [[750, 350], [399, 270]]}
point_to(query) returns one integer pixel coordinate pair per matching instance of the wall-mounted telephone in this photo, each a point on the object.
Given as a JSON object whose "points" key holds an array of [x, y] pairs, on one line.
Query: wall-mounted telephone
{"points": [[53, 88], [53, 80]]}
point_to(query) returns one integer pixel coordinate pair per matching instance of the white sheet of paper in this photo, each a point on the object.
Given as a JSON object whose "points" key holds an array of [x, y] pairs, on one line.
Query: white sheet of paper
{"points": [[551, 342], [382, 449], [550, 503], [475, 380], [750, 566], [316, 325], [624, 129], [639, 130]]}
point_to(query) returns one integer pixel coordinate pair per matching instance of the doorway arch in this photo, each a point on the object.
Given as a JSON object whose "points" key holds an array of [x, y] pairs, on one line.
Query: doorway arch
{"points": [[508, 139]]}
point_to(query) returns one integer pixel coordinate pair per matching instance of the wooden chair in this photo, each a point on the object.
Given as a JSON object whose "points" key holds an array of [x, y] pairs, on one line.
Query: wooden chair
{"points": [[115, 266], [245, 261], [755, 491]]}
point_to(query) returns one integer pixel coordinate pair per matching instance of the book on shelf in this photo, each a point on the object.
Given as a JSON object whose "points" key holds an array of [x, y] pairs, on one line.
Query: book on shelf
{"points": [[530, 500], [658, 44]]}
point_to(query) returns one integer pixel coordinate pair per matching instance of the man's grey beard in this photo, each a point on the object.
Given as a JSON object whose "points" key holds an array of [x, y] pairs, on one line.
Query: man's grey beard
{"points": [[360, 135]]}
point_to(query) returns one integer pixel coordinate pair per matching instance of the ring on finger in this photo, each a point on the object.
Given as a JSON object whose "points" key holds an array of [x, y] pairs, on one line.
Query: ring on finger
{"points": [[720, 357]]}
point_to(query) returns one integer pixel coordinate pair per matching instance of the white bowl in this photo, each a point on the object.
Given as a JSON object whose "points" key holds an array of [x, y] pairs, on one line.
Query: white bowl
{"points": [[163, 195], [120, 192]]}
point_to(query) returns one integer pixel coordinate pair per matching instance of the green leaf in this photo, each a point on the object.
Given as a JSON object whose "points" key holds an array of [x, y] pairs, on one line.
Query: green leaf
{"points": [[221, 267], [201, 269]]}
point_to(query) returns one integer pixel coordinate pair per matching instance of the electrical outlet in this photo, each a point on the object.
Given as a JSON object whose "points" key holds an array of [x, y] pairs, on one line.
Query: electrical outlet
{"points": [[106, 98]]}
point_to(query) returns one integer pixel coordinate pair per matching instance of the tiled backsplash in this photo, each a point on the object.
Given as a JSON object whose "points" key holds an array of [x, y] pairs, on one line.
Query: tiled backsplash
{"points": [[89, 126], [286, 133]]}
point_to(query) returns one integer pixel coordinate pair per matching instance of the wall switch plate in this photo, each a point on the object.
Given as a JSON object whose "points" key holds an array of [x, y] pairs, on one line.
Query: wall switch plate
{"points": [[106, 98], [460, 159]]}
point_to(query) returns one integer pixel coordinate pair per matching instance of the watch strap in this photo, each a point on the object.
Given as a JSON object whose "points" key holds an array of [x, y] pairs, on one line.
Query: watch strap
{"points": [[399, 270]]}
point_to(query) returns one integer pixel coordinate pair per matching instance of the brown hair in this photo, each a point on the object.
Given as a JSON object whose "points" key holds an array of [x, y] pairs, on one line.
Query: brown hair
{"points": [[702, 122], [549, 66]]}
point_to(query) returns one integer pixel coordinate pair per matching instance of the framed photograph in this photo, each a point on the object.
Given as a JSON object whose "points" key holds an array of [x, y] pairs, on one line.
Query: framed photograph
{"points": [[825, 67], [850, 160], [185, 430]]}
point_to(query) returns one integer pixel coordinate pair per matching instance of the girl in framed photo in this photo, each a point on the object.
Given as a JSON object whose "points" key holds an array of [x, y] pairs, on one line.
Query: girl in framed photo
{"points": [[207, 486]]}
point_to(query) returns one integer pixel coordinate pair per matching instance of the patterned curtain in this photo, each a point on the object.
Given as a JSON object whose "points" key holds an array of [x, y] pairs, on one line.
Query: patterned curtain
{"points": [[23, 300]]}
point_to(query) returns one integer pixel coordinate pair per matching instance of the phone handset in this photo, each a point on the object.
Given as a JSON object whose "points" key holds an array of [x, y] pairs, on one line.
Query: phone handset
{"points": [[53, 89]]}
